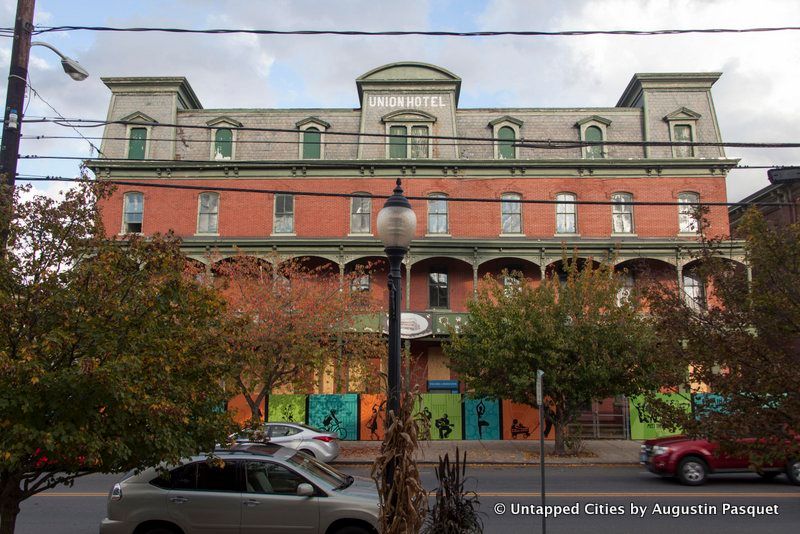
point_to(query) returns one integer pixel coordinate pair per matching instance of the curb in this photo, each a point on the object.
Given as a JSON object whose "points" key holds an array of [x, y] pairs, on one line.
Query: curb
{"points": [[498, 463]]}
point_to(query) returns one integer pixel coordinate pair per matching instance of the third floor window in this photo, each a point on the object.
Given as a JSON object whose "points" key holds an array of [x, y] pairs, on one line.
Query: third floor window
{"points": [[312, 143], [223, 143], [408, 141], [137, 143]]}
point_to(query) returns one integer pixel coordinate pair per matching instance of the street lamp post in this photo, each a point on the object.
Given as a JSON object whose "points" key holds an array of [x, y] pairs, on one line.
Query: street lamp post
{"points": [[396, 224]]}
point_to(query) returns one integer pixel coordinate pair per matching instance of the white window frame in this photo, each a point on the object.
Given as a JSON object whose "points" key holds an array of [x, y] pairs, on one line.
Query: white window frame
{"points": [[505, 198], [222, 123], [124, 229], [683, 117], [694, 294], [686, 208], [600, 122], [438, 196], [563, 202], [627, 197], [199, 205], [146, 141], [353, 200], [275, 215]]}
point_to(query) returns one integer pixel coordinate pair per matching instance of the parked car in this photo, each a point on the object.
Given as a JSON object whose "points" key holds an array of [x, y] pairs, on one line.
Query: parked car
{"points": [[324, 446], [692, 460], [248, 488]]}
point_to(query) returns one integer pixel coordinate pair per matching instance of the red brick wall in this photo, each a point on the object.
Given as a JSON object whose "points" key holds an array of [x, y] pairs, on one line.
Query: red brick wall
{"points": [[250, 214]]}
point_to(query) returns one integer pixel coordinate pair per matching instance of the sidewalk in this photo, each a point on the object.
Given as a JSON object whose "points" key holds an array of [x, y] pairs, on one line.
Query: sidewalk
{"points": [[606, 451]]}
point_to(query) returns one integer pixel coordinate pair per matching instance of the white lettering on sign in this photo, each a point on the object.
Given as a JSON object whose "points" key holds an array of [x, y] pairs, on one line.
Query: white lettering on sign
{"points": [[407, 101]]}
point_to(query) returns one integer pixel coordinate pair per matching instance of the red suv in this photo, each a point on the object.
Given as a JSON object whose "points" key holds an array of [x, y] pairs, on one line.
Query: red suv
{"points": [[692, 460]]}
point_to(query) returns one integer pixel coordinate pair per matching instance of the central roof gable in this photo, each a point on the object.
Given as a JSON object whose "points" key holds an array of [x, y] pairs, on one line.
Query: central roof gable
{"points": [[408, 73]]}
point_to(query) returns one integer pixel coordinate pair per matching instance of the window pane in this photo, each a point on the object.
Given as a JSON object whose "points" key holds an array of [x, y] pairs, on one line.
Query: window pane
{"points": [[565, 214], [594, 134], [511, 214], [687, 221], [419, 147], [683, 134], [626, 288], [269, 478], [438, 291], [214, 478], [397, 145], [505, 147], [207, 221], [360, 212], [284, 214], [137, 143], [184, 477], [312, 146], [622, 214], [437, 215], [223, 144], [693, 290]]}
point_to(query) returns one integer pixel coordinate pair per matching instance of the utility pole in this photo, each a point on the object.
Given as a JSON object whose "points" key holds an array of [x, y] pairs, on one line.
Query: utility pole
{"points": [[12, 116]]}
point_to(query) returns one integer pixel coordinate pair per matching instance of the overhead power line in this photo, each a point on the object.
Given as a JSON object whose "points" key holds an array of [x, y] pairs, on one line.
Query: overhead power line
{"points": [[525, 143], [396, 33], [34, 178]]}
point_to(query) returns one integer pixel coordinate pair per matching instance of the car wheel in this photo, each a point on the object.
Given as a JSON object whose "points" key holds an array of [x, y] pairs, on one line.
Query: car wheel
{"points": [[793, 472], [310, 453], [692, 471]]}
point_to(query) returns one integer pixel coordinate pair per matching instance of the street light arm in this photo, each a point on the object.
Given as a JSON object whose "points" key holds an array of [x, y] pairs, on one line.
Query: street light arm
{"points": [[70, 66]]}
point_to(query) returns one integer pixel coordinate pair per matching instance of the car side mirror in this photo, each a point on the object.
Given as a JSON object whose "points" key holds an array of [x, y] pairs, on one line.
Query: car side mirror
{"points": [[305, 490]]}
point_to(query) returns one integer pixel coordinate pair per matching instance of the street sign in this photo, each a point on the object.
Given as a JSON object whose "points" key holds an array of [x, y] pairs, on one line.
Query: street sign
{"points": [[539, 393]]}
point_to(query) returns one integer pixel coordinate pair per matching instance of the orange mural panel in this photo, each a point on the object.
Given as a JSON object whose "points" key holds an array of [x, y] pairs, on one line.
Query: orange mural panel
{"points": [[372, 416], [521, 421], [240, 410]]}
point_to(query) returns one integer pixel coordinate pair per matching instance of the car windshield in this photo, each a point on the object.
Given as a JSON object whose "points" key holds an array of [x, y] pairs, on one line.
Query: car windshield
{"points": [[317, 469]]}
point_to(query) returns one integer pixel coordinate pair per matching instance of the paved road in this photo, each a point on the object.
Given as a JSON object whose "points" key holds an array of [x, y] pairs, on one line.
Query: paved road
{"points": [[602, 490]]}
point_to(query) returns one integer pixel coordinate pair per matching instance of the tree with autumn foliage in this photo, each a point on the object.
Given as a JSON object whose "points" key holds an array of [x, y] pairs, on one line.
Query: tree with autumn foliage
{"points": [[742, 345], [292, 321], [109, 355], [590, 343]]}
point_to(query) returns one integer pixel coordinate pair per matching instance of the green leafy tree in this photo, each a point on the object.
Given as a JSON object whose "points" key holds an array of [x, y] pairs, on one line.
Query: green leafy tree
{"points": [[742, 345], [590, 343], [109, 355]]}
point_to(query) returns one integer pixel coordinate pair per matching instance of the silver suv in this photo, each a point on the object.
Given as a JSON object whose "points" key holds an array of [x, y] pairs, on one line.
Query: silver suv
{"points": [[249, 488]]}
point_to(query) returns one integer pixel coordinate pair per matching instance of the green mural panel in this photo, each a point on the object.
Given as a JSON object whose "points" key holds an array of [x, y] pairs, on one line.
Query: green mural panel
{"points": [[642, 427], [335, 413], [481, 418], [287, 408], [441, 413]]}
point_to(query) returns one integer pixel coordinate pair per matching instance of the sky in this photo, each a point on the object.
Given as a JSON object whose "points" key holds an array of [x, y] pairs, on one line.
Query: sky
{"points": [[756, 97]]}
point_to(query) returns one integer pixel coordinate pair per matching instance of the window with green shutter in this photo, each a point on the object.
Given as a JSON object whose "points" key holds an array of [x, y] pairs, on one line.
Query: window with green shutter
{"points": [[137, 143], [397, 145], [223, 143], [593, 134], [312, 143], [505, 147]]}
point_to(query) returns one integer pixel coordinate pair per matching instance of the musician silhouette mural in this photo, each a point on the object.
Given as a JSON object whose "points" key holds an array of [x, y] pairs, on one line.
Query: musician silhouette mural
{"points": [[335, 413], [481, 418], [444, 411], [287, 408]]}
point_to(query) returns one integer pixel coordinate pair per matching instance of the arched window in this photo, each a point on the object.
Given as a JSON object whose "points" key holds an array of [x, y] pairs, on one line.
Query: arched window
{"points": [[511, 213], [437, 213], [622, 213], [223, 143], [593, 134], [505, 145], [132, 212], [360, 214], [566, 214], [687, 212], [208, 213], [312, 143]]}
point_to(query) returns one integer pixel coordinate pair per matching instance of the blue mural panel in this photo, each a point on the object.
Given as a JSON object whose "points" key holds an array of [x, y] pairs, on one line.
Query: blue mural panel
{"points": [[481, 418], [335, 413], [704, 403]]}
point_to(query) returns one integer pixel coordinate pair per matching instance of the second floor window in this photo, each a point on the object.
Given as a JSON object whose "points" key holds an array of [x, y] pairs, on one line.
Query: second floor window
{"points": [[621, 213], [223, 143], [408, 144], [438, 292], [208, 214], [360, 213], [284, 214], [511, 214], [137, 143], [687, 212], [312, 143], [132, 213], [437, 214], [566, 214]]}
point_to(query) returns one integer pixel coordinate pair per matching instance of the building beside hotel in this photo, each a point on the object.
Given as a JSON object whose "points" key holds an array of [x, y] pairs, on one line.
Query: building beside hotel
{"points": [[409, 125]]}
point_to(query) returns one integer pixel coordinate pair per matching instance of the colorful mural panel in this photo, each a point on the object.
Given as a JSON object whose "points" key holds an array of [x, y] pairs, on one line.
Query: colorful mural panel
{"points": [[287, 408], [335, 413], [240, 410], [481, 418], [372, 418], [521, 421], [642, 426], [440, 414]]}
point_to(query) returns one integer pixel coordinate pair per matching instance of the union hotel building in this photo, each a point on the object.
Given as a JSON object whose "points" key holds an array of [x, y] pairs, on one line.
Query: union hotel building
{"points": [[167, 137]]}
